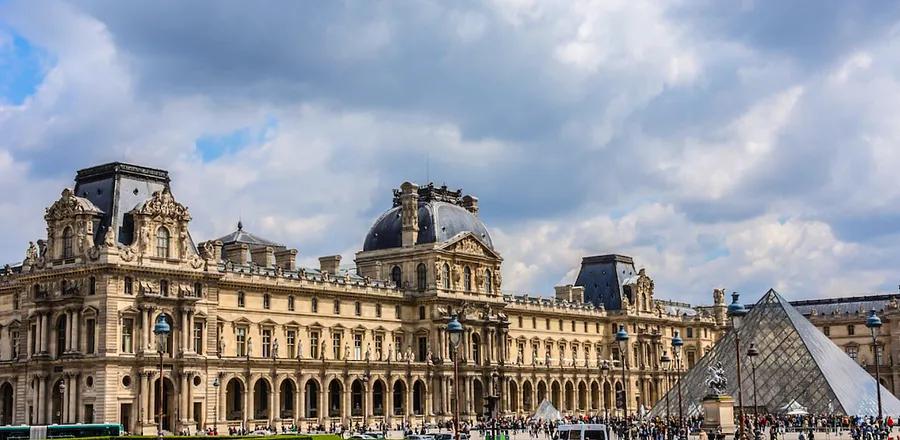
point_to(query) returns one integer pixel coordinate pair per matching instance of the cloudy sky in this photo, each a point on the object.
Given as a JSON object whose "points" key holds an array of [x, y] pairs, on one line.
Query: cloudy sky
{"points": [[742, 145]]}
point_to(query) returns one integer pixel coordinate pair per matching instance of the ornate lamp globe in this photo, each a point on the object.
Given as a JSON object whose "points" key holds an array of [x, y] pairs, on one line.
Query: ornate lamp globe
{"points": [[677, 342], [736, 310], [873, 322], [752, 352], [161, 327], [622, 338], [454, 329]]}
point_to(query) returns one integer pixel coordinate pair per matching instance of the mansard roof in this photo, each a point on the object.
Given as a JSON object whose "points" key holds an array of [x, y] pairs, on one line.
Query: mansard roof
{"points": [[243, 237]]}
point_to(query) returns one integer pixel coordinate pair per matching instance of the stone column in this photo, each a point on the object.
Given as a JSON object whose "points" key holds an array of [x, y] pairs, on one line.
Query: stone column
{"points": [[222, 409], [42, 401], [42, 340], [76, 344], [368, 411], [323, 406], [389, 403], [275, 404], [301, 401]]}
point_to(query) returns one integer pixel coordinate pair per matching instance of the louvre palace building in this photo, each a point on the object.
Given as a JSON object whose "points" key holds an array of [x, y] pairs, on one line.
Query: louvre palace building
{"points": [[257, 340]]}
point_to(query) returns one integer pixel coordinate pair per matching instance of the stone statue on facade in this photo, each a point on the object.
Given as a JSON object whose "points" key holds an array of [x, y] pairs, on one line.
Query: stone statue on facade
{"points": [[300, 350], [409, 353], [322, 351], [249, 346], [429, 357], [346, 351], [275, 348], [221, 346], [390, 352], [716, 380], [31, 254], [368, 352]]}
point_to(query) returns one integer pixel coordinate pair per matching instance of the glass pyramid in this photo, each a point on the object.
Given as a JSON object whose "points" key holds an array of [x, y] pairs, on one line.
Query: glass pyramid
{"points": [[796, 364]]}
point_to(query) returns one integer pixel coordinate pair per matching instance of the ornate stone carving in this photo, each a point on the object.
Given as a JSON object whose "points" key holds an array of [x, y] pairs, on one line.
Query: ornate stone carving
{"points": [[716, 380], [162, 204], [69, 205], [469, 246]]}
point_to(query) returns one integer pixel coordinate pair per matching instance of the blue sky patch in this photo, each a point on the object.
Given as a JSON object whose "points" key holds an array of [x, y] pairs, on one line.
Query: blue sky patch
{"points": [[22, 67], [214, 146]]}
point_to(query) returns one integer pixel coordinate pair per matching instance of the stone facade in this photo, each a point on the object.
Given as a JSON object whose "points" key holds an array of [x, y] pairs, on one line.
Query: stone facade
{"points": [[257, 340]]}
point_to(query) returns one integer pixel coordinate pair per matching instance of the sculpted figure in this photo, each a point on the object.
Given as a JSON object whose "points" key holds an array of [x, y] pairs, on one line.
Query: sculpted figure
{"points": [[31, 254], [300, 350], [368, 352], [346, 351], [275, 348]]}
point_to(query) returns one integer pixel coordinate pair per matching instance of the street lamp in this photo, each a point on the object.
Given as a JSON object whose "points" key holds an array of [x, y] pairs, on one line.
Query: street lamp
{"points": [[161, 329], [216, 385], [62, 395], [752, 353], [604, 371], [737, 311], [622, 340], [677, 343], [874, 323], [455, 330], [665, 360]]}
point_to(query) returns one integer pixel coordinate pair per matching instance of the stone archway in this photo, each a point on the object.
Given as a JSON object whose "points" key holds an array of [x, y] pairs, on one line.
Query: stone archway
{"points": [[478, 398], [513, 397], [6, 404], [311, 399], [287, 398], [570, 397], [419, 397], [262, 393], [56, 402], [527, 391], [378, 390], [582, 396], [595, 396], [234, 400], [335, 401], [555, 394], [357, 399], [399, 398], [167, 401], [541, 392]]}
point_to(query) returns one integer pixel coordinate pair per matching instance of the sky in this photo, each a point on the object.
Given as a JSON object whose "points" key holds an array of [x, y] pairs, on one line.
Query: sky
{"points": [[740, 145]]}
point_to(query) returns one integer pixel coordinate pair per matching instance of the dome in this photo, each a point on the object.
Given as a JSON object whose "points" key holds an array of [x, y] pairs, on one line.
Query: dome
{"points": [[438, 222]]}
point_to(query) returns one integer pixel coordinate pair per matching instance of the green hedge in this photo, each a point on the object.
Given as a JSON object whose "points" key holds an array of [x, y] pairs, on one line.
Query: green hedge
{"points": [[223, 437]]}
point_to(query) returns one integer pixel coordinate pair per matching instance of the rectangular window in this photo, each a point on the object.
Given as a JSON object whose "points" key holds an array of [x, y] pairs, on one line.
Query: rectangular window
{"points": [[291, 304], [560, 325], [357, 346], [314, 305], [267, 343], [690, 332], [240, 341], [357, 308], [421, 312], [597, 329], [129, 286], [826, 330], [691, 359], [127, 334], [291, 337], [92, 289], [851, 330], [397, 312], [337, 307], [33, 339], [585, 327], [378, 310], [267, 301], [423, 349], [90, 336], [314, 345], [852, 351], [198, 337], [379, 345], [240, 299], [336, 345], [548, 323], [14, 336], [533, 322]]}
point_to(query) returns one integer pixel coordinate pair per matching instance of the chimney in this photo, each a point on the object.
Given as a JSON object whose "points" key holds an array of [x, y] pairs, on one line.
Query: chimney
{"points": [[330, 264], [263, 256], [470, 203], [286, 259], [570, 293], [237, 253], [409, 213]]}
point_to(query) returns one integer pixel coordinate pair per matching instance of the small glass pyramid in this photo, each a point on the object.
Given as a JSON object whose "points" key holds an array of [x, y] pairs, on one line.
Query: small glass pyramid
{"points": [[797, 365]]}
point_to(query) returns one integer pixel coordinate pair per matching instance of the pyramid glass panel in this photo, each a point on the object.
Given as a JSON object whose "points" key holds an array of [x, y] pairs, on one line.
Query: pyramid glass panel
{"points": [[797, 364]]}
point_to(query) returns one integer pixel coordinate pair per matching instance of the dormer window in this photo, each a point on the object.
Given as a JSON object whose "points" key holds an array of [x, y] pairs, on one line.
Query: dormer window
{"points": [[68, 236], [162, 242]]}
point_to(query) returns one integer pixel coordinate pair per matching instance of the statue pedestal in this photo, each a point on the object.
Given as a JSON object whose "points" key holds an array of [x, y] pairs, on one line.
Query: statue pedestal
{"points": [[718, 412]]}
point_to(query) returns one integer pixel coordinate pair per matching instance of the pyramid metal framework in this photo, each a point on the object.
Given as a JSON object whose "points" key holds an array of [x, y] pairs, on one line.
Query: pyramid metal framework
{"points": [[796, 362]]}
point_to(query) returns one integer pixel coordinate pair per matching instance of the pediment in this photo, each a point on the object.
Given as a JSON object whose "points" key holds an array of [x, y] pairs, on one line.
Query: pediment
{"points": [[469, 243]]}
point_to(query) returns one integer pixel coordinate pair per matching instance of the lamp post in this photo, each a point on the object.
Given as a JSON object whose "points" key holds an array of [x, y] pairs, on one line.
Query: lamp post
{"points": [[161, 329], [665, 360], [737, 311], [604, 371], [455, 330], [622, 340], [62, 393], [677, 343], [752, 353], [216, 385], [874, 323]]}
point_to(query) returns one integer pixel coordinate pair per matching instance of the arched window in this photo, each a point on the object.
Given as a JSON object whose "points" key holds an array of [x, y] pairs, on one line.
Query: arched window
{"points": [[421, 274], [68, 236], [488, 282], [267, 301], [446, 275], [467, 279], [162, 242], [396, 275]]}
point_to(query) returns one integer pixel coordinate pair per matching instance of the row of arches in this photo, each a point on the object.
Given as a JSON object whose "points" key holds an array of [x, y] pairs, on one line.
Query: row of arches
{"points": [[318, 401]]}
